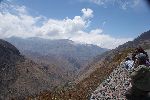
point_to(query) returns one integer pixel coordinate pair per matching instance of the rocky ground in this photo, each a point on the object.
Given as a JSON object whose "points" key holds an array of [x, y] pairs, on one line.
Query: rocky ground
{"points": [[115, 86]]}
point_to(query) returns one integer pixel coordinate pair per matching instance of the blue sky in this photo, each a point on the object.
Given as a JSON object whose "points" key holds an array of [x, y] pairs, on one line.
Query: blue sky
{"points": [[121, 22], [110, 20]]}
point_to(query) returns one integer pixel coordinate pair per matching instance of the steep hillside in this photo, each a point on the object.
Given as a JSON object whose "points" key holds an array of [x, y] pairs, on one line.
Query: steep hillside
{"points": [[97, 71], [9, 55], [110, 60], [20, 77], [116, 55]]}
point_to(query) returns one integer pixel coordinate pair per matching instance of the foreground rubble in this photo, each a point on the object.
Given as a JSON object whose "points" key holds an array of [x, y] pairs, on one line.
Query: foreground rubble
{"points": [[114, 87]]}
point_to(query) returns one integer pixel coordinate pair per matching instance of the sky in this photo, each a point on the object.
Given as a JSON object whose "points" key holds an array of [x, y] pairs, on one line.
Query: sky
{"points": [[106, 23]]}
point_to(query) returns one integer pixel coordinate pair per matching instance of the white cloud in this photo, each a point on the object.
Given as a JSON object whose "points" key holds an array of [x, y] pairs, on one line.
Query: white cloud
{"points": [[16, 21], [63, 27], [124, 4], [13, 25], [21, 9], [87, 13], [97, 37], [99, 2]]}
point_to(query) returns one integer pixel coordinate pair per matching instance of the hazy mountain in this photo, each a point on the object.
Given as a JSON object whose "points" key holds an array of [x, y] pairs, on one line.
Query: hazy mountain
{"points": [[63, 54], [62, 47]]}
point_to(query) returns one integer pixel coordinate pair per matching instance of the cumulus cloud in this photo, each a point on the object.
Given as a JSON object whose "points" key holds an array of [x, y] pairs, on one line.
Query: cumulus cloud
{"points": [[62, 27], [20, 24], [16, 21]]}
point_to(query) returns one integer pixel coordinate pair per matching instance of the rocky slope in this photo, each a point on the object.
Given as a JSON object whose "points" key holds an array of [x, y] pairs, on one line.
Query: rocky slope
{"points": [[9, 55], [115, 86], [20, 77], [116, 55]]}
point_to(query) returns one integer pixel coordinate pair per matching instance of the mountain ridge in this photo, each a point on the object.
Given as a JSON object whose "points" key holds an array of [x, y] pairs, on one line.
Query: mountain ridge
{"points": [[62, 47], [62, 54]]}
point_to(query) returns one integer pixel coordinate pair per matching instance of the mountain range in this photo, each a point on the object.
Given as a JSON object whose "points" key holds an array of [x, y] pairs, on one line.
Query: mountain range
{"points": [[75, 53], [61, 69], [41, 65]]}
